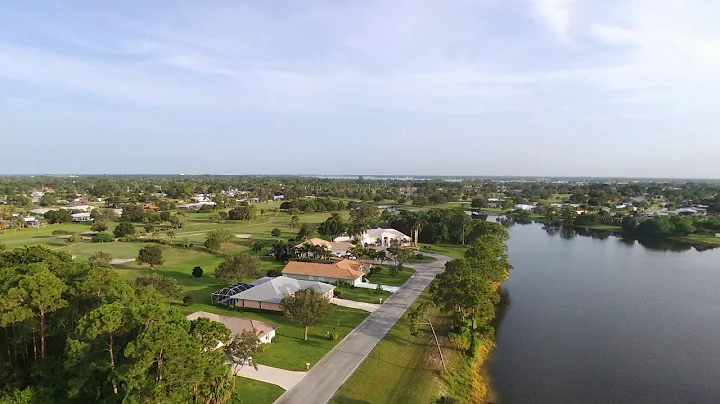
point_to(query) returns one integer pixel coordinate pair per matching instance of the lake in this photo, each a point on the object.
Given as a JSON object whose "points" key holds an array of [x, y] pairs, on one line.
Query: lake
{"points": [[593, 318]]}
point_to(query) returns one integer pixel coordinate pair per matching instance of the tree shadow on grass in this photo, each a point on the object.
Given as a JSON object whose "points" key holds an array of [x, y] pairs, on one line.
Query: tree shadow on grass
{"points": [[346, 400]]}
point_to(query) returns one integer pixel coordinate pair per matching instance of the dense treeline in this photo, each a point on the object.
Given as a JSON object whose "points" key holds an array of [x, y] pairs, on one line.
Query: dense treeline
{"points": [[74, 332]]}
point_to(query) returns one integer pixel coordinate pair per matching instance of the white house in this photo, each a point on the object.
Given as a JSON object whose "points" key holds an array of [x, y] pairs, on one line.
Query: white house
{"points": [[82, 208], [278, 197], [523, 206], [201, 198], [31, 221], [264, 331], [379, 238], [81, 217]]}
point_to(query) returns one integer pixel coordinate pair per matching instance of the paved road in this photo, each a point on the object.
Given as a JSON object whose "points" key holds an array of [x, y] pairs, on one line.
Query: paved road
{"points": [[328, 375], [281, 377]]}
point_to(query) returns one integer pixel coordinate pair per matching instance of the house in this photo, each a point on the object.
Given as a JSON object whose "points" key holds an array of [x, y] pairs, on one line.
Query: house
{"points": [[345, 270], [337, 249], [266, 293], [495, 202], [379, 238], [31, 221], [686, 212], [201, 198], [79, 208], [81, 217], [42, 211], [264, 331], [278, 197], [523, 206]]}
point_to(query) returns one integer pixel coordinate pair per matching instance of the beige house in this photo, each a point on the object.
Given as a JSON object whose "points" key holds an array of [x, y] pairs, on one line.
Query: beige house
{"points": [[345, 270]]}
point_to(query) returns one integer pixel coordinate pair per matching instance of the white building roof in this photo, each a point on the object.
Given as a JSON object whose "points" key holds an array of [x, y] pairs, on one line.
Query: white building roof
{"points": [[272, 290]]}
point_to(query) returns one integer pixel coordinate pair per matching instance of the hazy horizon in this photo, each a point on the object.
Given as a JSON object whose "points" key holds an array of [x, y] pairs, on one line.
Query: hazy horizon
{"points": [[524, 88]]}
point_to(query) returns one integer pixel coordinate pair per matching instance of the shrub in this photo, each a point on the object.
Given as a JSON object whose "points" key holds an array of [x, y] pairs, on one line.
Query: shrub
{"points": [[197, 272], [275, 232], [273, 273], [74, 238], [275, 339], [333, 335], [378, 289], [61, 233], [129, 238], [185, 243], [343, 284], [447, 400], [420, 256], [395, 270], [337, 293], [3, 247], [102, 238], [188, 300]]}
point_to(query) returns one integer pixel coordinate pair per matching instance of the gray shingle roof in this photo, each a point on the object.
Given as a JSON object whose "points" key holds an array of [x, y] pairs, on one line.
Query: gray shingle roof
{"points": [[272, 290]]}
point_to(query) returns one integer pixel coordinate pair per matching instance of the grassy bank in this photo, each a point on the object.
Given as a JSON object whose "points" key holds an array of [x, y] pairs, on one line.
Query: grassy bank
{"points": [[363, 295], [697, 239], [401, 369], [454, 251]]}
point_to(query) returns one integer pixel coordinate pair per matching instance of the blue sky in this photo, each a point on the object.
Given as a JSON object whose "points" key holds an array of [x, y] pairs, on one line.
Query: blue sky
{"points": [[479, 87]]}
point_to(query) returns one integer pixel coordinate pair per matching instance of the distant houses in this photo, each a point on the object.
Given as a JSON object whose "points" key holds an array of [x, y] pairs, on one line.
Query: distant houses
{"points": [[379, 238]]}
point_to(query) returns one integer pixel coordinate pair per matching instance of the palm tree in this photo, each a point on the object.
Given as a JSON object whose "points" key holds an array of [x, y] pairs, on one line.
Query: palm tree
{"points": [[171, 234]]}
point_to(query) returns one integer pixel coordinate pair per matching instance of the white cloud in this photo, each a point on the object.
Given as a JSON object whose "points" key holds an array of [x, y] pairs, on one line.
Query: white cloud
{"points": [[556, 14]]}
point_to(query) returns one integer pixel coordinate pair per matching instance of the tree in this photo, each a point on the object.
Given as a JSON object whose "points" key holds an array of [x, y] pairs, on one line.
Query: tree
{"points": [[257, 246], [294, 221], [282, 251], [149, 228], [400, 255], [238, 267], [171, 235], [48, 199], [242, 350], [150, 255], [133, 213], [242, 213], [58, 216], [177, 221], [333, 227], [306, 307], [275, 232], [197, 272], [478, 203], [209, 333], [212, 244], [73, 238], [99, 226], [42, 292], [166, 285], [216, 238], [100, 259], [123, 229], [305, 232]]}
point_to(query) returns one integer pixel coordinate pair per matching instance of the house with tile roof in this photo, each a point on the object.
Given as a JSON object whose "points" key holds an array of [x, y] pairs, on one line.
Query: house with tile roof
{"points": [[344, 270]]}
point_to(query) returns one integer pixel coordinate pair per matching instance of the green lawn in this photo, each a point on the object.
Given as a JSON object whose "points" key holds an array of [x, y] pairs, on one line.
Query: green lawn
{"points": [[401, 369], [607, 227], [385, 278], [700, 239], [425, 259], [454, 251], [363, 295], [249, 391], [290, 351]]}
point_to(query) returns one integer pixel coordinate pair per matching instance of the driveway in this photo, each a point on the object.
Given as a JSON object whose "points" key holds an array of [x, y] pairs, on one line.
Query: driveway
{"points": [[367, 285], [328, 375], [281, 377], [356, 305]]}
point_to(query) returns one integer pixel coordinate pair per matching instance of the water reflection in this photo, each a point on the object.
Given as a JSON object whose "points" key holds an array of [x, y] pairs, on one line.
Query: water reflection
{"points": [[568, 233]]}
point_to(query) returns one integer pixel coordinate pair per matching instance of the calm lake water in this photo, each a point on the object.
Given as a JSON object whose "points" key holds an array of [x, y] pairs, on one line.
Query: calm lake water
{"points": [[605, 320]]}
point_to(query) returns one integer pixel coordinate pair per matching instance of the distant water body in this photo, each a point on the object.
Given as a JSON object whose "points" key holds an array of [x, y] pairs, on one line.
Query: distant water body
{"points": [[599, 319]]}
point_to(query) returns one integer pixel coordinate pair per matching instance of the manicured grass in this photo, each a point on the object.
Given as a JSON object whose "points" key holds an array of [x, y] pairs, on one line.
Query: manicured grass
{"points": [[385, 278], [401, 369], [425, 259], [290, 351], [454, 251], [363, 295], [249, 391]]}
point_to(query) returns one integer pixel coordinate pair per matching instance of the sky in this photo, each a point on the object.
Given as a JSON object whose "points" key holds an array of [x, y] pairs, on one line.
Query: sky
{"points": [[414, 87]]}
